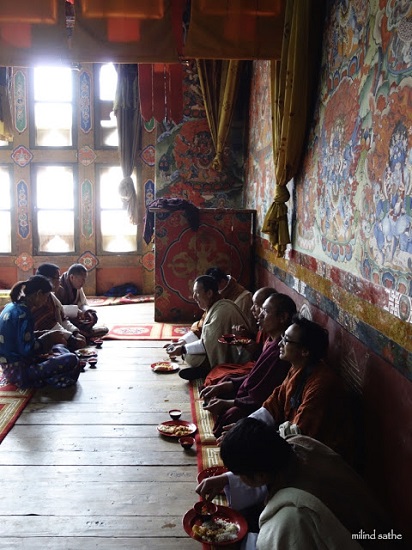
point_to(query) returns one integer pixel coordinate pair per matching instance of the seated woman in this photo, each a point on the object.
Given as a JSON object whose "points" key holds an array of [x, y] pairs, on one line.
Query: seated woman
{"points": [[21, 352]]}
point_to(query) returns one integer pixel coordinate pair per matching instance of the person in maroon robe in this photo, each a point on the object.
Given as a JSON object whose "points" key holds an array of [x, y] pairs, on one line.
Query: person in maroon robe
{"points": [[236, 397]]}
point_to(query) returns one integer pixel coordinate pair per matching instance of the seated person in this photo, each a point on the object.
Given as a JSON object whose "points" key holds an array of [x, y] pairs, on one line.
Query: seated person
{"points": [[230, 289], [237, 397], [235, 292], [203, 353], [313, 395], [220, 371], [50, 316], [72, 296], [22, 355], [313, 498]]}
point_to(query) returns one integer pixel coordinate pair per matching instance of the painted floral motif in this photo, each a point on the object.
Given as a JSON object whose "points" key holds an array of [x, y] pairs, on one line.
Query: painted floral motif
{"points": [[22, 209], [86, 155], [148, 261], [148, 155], [149, 192], [20, 101], [24, 262], [87, 209], [89, 260], [85, 102], [21, 156]]}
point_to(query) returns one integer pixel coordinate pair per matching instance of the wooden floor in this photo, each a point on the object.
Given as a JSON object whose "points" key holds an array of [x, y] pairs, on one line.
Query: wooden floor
{"points": [[85, 468]]}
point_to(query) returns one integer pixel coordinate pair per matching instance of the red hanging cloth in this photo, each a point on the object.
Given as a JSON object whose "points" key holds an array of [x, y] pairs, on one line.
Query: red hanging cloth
{"points": [[146, 90], [175, 97], [161, 91], [159, 80]]}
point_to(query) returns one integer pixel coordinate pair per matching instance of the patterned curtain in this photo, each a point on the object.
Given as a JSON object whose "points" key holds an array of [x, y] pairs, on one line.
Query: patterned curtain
{"points": [[218, 81], [293, 79], [127, 111]]}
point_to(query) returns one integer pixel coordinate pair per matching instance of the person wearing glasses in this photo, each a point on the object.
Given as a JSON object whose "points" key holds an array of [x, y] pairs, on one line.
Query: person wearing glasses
{"points": [[312, 398], [50, 316], [236, 397]]}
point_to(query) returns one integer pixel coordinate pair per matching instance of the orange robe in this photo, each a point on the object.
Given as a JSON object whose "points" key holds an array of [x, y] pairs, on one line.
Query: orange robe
{"points": [[323, 411]]}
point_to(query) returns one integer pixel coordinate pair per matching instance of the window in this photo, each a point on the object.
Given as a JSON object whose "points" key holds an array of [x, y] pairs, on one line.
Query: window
{"points": [[53, 108], [116, 232], [54, 216], [5, 210], [106, 122]]}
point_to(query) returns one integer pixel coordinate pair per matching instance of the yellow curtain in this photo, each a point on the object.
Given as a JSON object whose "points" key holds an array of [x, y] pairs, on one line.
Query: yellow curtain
{"points": [[292, 81], [218, 81]]}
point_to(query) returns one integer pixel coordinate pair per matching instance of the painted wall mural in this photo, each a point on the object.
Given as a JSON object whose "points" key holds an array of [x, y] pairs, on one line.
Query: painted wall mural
{"points": [[260, 189], [184, 155], [358, 172], [351, 206]]}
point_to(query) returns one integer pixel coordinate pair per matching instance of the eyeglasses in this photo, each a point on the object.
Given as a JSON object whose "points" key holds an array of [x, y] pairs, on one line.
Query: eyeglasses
{"points": [[286, 340]]}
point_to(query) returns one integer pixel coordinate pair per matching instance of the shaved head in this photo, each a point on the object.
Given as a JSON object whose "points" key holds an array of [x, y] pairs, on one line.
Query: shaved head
{"points": [[263, 294]]}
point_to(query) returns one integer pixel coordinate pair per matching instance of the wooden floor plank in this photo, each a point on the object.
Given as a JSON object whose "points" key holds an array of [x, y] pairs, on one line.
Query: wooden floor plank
{"points": [[89, 473], [90, 499], [93, 543], [98, 526], [85, 468], [138, 457]]}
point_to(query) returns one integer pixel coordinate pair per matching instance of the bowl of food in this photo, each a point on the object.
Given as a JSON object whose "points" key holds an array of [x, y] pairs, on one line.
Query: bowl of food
{"points": [[175, 414], [205, 509], [92, 362], [186, 441], [98, 343]]}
